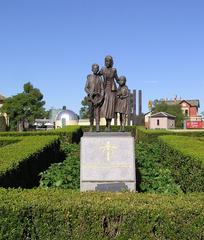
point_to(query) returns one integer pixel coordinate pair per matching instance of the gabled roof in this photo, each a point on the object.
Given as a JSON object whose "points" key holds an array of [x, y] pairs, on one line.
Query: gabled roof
{"points": [[193, 103], [162, 114]]}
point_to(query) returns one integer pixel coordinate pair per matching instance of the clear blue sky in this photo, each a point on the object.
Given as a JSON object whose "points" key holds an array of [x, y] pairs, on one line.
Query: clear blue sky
{"points": [[157, 44]]}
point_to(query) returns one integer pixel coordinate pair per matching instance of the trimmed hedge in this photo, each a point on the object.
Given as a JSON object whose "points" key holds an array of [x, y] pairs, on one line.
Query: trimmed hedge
{"points": [[184, 156], [148, 135], [6, 141], [21, 162], [59, 214], [68, 134], [180, 152]]}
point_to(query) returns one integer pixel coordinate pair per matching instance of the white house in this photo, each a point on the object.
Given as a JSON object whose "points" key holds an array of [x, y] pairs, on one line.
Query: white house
{"points": [[162, 120]]}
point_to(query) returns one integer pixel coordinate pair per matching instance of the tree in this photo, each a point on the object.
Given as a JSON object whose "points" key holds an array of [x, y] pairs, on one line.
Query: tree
{"points": [[2, 124], [24, 107], [171, 109], [84, 111]]}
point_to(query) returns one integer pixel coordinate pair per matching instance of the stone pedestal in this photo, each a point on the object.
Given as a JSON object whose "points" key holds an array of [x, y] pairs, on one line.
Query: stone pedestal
{"points": [[107, 162]]}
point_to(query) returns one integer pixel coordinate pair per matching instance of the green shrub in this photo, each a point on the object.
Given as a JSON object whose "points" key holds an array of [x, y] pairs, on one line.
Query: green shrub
{"points": [[60, 214], [68, 133], [6, 141], [180, 152], [21, 162], [150, 136], [184, 156], [33, 152], [152, 175], [65, 174]]}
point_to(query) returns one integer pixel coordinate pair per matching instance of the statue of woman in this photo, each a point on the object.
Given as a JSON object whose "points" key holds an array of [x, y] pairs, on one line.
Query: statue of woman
{"points": [[109, 75]]}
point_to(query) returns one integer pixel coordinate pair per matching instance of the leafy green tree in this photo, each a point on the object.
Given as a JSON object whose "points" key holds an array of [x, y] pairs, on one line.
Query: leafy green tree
{"points": [[24, 107], [84, 111], [171, 109]]}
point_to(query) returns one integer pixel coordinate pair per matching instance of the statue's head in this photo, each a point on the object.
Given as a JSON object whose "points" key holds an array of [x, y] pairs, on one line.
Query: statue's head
{"points": [[122, 80], [108, 61], [95, 68]]}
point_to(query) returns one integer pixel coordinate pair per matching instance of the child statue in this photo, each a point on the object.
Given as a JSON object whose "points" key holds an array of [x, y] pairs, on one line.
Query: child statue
{"points": [[95, 93], [122, 102]]}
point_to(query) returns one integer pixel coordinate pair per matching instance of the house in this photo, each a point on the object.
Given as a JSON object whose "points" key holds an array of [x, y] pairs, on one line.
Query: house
{"points": [[190, 111], [162, 120], [189, 107]]}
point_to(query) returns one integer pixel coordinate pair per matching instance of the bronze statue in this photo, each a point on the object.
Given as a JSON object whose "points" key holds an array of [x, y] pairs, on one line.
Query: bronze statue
{"points": [[109, 75], [122, 102], [95, 93]]}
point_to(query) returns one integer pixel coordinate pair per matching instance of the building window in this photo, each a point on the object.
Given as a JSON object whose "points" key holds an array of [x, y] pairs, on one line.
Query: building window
{"points": [[157, 122], [186, 113]]}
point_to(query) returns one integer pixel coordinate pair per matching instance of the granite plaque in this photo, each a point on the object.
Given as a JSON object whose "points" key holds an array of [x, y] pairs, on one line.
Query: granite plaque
{"points": [[107, 162]]}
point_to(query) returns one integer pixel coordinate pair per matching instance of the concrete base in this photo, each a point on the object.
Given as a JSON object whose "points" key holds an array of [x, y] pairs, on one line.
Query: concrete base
{"points": [[107, 162]]}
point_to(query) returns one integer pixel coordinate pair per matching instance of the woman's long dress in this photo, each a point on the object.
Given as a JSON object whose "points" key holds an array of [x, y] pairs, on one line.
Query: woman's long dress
{"points": [[110, 89]]}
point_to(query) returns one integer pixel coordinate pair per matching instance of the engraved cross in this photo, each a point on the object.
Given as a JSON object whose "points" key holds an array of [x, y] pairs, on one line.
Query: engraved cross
{"points": [[108, 148]]}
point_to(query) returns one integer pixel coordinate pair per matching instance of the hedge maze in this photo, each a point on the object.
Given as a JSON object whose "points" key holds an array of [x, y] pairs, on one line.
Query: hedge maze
{"points": [[40, 198]]}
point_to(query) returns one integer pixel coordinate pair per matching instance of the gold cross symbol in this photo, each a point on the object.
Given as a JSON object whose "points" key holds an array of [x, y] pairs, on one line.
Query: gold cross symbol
{"points": [[108, 148]]}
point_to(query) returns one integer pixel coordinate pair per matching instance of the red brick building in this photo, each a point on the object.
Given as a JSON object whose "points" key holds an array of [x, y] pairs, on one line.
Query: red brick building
{"points": [[190, 110]]}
